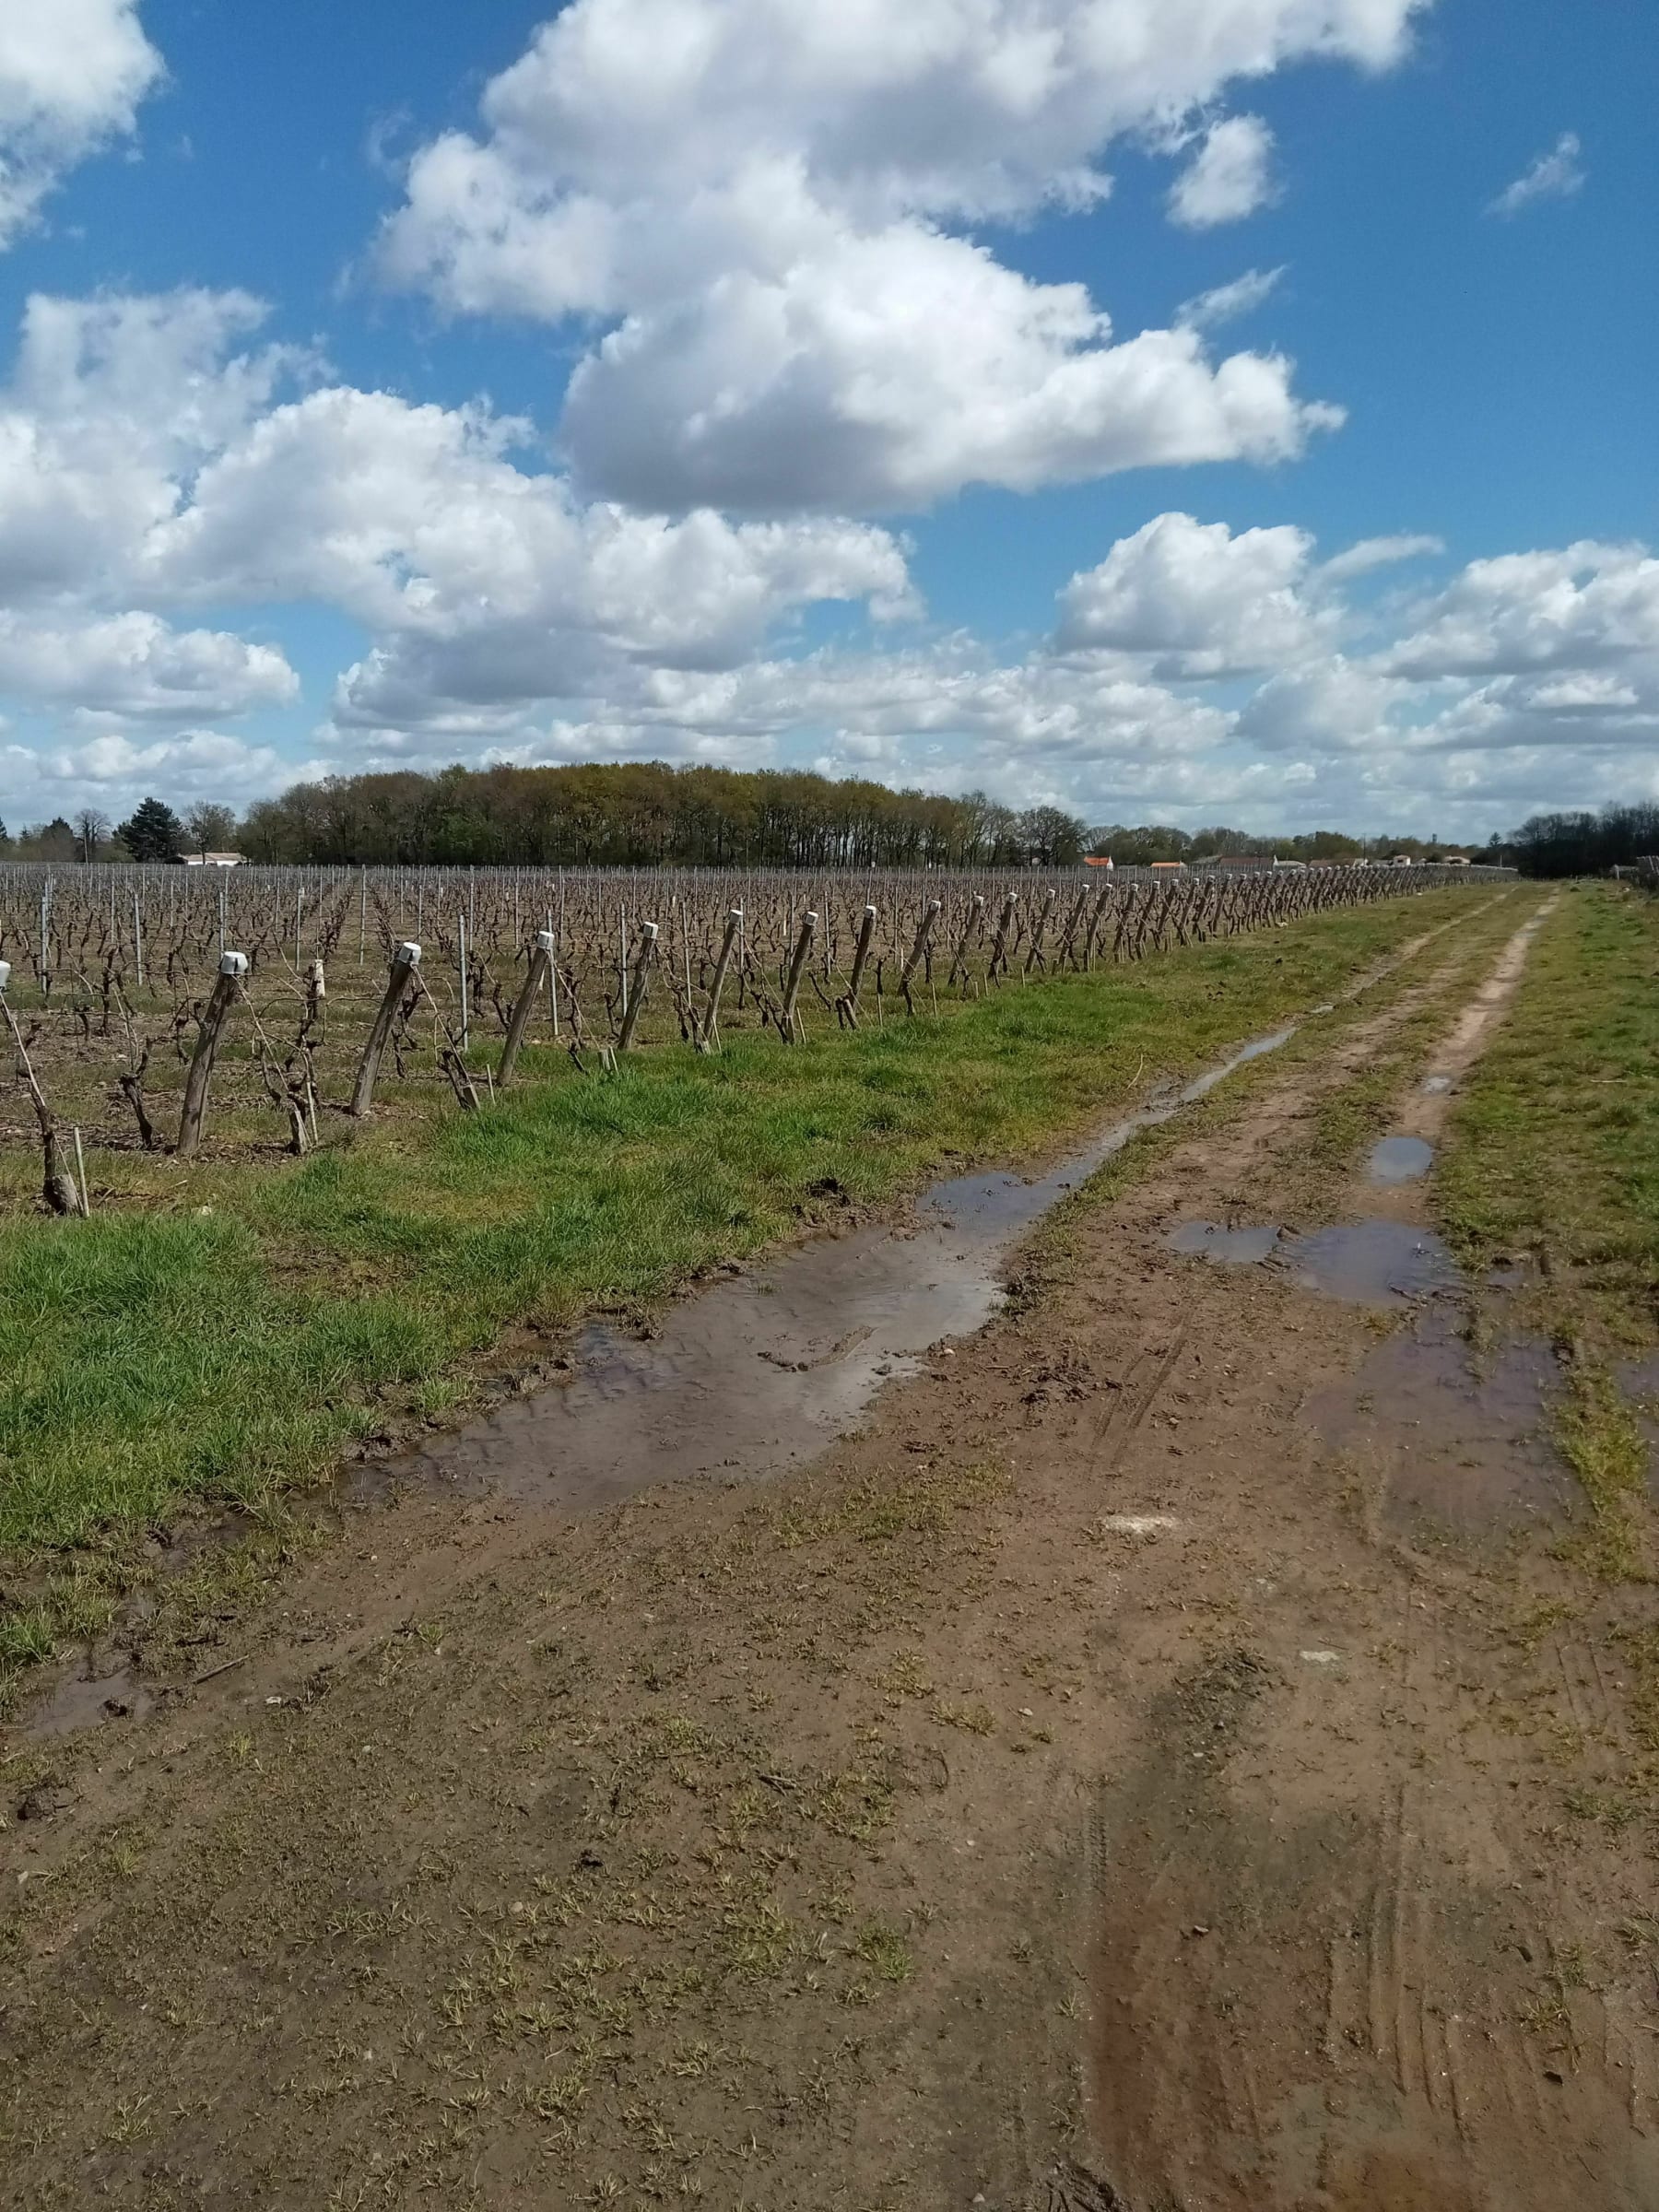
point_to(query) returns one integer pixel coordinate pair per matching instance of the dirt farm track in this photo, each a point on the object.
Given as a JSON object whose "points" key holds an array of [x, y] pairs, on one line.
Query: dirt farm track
{"points": [[1081, 1690]]}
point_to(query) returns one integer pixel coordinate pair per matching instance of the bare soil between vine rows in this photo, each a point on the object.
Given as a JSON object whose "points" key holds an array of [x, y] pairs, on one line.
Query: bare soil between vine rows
{"points": [[1127, 1773]]}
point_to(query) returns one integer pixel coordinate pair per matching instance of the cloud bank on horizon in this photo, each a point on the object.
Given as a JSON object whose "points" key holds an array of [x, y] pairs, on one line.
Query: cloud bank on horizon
{"points": [[786, 262]]}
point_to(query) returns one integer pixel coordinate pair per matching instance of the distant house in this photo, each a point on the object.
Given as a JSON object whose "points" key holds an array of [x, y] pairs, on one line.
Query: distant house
{"points": [[1096, 860], [214, 860], [1169, 867], [1401, 860]]}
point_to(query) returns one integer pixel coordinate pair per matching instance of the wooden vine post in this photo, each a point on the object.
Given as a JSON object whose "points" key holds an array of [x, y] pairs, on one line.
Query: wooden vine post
{"points": [[1070, 930], [1095, 921], [918, 953], [971, 928], [215, 1018], [708, 1031], [847, 1007], [787, 1018], [58, 1186], [999, 960], [541, 966], [405, 964], [638, 987], [1034, 957]]}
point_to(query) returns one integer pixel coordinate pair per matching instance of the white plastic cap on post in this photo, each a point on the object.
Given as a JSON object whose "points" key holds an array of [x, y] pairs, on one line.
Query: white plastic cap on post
{"points": [[406, 956], [4, 973], [233, 963], [650, 928], [545, 940]]}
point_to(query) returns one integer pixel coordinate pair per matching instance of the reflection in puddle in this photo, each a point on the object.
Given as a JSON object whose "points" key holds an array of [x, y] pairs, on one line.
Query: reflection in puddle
{"points": [[1360, 1263], [1369, 1263], [760, 1373], [1399, 1160], [1211, 1241], [1447, 1439]]}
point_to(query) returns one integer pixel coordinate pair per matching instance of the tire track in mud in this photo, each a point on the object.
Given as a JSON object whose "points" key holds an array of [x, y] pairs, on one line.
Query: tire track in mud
{"points": [[1378, 1911], [1268, 1119]]}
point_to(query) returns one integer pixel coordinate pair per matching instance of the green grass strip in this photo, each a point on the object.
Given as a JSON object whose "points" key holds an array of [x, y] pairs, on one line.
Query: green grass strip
{"points": [[1556, 1136]]}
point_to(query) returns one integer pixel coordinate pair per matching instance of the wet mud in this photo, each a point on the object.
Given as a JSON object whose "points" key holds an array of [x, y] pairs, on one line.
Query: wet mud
{"points": [[1449, 1434], [83, 1701], [760, 1373]]}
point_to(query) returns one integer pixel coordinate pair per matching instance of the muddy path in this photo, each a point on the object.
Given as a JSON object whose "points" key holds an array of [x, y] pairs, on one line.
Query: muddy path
{"points": [[1131, 1770]]}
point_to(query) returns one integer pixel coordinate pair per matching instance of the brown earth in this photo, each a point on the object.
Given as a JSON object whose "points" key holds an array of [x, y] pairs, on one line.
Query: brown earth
{"points": [[1152, 1765]]}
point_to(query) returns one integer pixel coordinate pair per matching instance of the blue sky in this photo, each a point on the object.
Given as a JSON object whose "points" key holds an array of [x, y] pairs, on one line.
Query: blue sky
{"points": [[846, 474]]}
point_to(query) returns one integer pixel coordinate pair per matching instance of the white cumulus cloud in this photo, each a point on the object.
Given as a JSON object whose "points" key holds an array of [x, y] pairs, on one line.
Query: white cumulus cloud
{"points": [[72, 74], [1230, 175], [1197, 599], [1584, 605], [134, 663], [155, 455], [754, 200]]}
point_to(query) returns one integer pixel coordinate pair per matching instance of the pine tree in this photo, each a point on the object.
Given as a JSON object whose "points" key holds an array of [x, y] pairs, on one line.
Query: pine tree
{"points": [[153, 832], [5, 842]]}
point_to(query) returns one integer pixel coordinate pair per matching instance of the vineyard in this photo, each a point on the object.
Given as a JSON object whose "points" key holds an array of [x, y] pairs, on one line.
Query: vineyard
{"points": [[270, 1010]]}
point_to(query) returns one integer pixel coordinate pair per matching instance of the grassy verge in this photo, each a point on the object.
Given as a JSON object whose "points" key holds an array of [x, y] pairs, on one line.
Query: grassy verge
{"points": [[1557, 1135], [1556, 1153], [230, 1339]]}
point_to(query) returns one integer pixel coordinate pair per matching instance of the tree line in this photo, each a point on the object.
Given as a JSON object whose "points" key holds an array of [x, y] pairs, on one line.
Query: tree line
{"points": [[650, 814], [1587, 844]]}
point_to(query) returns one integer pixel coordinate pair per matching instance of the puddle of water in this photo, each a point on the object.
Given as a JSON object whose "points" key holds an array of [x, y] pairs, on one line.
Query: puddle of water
{"points": [[1360, 1263], [1436, 1086], [1369, 1263], [1399, 1160], [79, 1703], [1211, 1240], [759, 1374], [1453, 1439]]}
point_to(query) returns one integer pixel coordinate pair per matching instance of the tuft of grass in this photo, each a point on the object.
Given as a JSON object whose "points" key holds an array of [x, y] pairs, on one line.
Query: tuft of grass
{"points": [[885, 1951], [1597, 1435]]}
